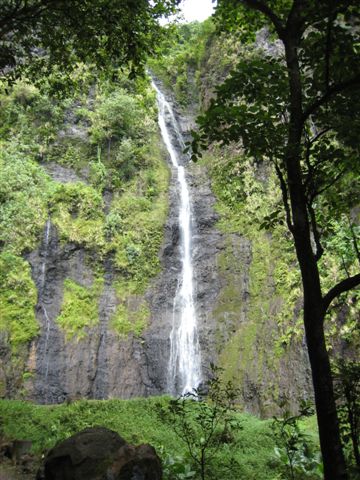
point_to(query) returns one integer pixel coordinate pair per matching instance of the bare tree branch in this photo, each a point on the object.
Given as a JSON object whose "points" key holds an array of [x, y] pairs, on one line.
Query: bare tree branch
{"points": [[329, 185], [261, 6], [331, 92], [316, 137], [341, 287], [356, 247], [285, 197]]}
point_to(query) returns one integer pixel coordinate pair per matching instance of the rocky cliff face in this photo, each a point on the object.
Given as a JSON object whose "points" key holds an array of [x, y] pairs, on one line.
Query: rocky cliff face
{"points": [[237, 324], [100, 363], [238, 311]]}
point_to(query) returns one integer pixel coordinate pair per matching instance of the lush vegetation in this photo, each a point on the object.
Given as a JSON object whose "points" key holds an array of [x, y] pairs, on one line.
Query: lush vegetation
{"points": [[17, 299], [29, 43], [107, 142], [79, 308], [87, 116], [283, 164], [272, 117], [249, 201], [182, 54], [291, 108], [252, 445]]}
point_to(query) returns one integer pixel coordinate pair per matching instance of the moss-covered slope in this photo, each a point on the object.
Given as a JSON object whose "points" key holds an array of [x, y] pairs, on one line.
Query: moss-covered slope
{"points": [[83, 174], [258, 312]]}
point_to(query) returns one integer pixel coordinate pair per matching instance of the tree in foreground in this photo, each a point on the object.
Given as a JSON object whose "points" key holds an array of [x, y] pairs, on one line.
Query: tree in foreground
{"points": [[50, 37], [299, 110], [205, 422]]}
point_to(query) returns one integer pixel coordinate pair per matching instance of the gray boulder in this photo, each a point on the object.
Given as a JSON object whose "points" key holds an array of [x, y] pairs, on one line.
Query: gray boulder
{"points": [[100, 454]]}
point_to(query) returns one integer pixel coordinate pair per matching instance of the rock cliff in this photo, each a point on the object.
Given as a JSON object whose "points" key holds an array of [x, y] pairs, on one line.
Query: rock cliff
{"points": [[237, 305]]}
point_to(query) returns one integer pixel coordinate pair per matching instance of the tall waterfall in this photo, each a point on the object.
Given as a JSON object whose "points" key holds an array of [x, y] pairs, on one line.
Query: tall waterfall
{"points": [[185, 362], [41, 301]]}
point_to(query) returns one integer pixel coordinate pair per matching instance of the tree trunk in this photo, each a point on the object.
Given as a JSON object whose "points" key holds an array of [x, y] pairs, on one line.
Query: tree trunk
{"points": [[202, 464], [331, 449], [314, 312], [353, 427]]}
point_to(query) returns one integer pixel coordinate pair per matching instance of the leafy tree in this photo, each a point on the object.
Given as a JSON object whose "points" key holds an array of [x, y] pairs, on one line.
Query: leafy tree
{"points": [[118, 116], [298, 110], [48, 37], [293, 446], [203, 425]]}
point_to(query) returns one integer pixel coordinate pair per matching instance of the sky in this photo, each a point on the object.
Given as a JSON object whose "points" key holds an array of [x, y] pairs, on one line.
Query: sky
{"points": [[196, 9]]}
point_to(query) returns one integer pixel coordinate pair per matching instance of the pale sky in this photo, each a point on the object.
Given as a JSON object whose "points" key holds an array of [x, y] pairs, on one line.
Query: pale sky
{"points": [[196, 9]]}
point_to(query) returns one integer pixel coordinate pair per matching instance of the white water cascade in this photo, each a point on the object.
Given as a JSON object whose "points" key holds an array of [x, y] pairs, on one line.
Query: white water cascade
{"points": [[46, 242], [185, 361]]}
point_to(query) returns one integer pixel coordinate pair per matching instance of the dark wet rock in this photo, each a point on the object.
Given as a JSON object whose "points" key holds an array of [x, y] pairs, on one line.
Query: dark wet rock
{"points": [[2, 375], [103, 365], [100, 454]]}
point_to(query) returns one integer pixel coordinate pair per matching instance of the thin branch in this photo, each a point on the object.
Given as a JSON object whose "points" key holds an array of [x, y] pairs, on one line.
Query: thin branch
{"points": [[332, 91], [285, 196], [344, 266], [329, 185], [270, 14], [356, 247], [341, 287], [318, 135]]}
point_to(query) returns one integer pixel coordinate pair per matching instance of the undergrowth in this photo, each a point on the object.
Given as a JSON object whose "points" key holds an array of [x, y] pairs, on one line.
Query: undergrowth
{"points": [[137, 421]]}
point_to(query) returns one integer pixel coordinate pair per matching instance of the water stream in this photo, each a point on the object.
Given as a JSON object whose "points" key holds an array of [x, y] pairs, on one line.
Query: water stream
{"points": [[41, 301], [184, 369]]}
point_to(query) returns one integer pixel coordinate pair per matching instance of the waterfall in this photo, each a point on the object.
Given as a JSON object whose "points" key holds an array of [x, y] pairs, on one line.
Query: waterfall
{"points": [[46, 240], [185, 362], [41, 300]]}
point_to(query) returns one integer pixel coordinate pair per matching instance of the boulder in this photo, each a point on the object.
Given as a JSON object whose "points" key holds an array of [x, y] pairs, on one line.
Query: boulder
{"points": [[136, 463], [100, 454], [18, 451]]}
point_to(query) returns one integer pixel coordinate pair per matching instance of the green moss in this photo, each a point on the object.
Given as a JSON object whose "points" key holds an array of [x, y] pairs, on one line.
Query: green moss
{"points": [[24, 189], [131, 318], [79, 309], [259, 323], [288, 288], [136, 224], [77, 213], [17, 300], [245, 354]]}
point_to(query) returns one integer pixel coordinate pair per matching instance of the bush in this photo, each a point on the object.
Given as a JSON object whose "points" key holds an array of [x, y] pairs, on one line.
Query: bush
{"points": [[18, 297]]}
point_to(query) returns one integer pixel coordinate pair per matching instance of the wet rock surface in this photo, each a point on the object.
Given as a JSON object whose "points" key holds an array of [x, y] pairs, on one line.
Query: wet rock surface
{"points": [[98, 365], [100, 454], [101, 364], [208, 241]]}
